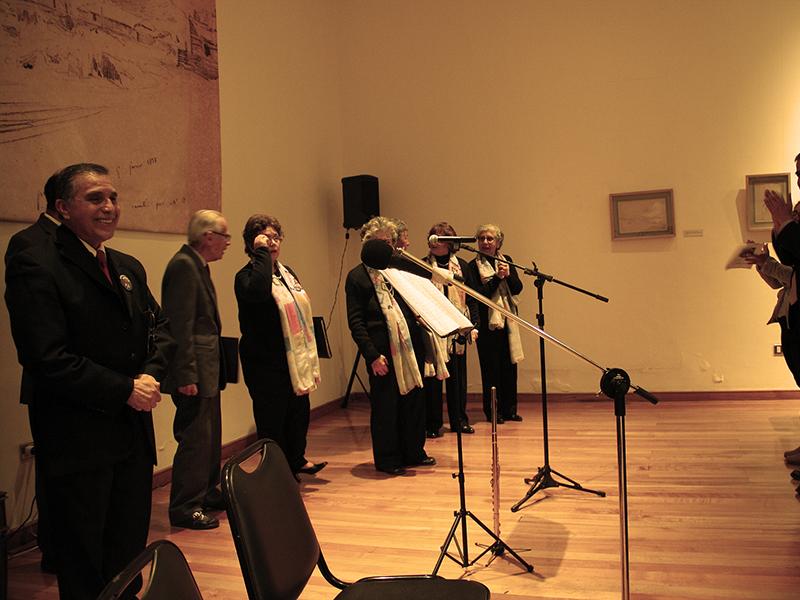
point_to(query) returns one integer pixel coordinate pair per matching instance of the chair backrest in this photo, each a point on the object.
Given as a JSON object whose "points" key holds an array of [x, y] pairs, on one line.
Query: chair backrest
{"points": [[273, 535], [170, 576]]}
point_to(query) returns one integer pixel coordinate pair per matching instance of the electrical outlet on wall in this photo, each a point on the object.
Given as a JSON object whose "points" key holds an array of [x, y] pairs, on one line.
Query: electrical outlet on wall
{"points": [[26, 451], [777, 350]]}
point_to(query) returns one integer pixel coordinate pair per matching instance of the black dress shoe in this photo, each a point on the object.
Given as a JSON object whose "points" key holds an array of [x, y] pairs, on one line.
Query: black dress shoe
{"points": [[467, 429], [514, 418], [428, 461], [500, 420], [198, 520], [313, 469], [433, 434], [391, 470]]}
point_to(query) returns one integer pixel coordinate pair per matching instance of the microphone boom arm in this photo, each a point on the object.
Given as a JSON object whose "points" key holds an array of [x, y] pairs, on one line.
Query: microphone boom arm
{"points": [[522, 322]]}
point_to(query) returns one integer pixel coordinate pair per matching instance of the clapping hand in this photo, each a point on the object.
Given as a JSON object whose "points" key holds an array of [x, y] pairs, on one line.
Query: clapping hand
{"points": [[758, 256], [780, 209]]}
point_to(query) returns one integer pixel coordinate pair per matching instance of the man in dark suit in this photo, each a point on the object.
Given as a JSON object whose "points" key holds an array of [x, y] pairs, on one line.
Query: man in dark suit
{"points": [[44, 229], [197, 375], [95, 343]]}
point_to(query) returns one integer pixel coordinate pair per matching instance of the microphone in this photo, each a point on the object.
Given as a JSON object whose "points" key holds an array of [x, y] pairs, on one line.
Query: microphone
{"points": [[435, 239], [376, 254]]}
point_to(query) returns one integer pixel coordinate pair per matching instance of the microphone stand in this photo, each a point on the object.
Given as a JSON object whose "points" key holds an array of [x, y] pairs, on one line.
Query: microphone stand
{"points": [[544, 475], [614, 383], [543, 478]]}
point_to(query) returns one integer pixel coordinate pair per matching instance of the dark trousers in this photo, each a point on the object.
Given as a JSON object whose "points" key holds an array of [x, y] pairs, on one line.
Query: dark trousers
{"points": [[100, 521], [397, 423], [456, 390], [44, 535], [497, 370], [790, 342], [195, 470], [280, 414]]}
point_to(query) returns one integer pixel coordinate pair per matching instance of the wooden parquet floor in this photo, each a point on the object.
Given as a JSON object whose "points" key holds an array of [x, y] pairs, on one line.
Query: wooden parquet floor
{"points": [[712, 508]]}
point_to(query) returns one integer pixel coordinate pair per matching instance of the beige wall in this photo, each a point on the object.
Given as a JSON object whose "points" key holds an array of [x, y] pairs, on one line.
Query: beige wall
{"points": [[527, 114]]}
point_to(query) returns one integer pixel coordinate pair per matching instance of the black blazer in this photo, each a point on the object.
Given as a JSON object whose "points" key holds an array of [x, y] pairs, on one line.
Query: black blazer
{"points": [[366, 320], [787, 244], [83, 340], [43, 230], [262, 345], [490, 287]]}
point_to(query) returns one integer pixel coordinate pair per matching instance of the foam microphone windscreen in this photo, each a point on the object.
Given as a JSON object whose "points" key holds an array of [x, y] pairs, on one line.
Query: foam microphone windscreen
{"points": [[376, 254]]}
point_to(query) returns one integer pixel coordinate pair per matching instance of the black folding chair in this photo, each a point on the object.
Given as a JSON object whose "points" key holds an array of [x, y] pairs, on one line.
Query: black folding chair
{"points": [[277, 546], [170, 577]]}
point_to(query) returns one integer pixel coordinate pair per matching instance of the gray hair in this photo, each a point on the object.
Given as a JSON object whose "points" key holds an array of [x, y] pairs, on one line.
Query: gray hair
{"points": [[375, 225], [494, 229], [202, 221], [400, 225]]}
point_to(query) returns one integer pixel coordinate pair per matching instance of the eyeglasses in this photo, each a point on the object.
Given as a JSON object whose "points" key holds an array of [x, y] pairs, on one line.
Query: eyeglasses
{"points": [[273, 239], [485, 238], [227, 236]]}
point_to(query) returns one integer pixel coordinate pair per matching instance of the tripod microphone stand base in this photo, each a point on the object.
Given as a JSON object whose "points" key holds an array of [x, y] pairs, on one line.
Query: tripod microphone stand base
{"points": [[544, 479], [498, 548]]}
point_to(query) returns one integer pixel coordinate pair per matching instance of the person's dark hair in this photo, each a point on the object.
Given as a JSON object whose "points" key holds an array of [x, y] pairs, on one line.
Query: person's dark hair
{"points": [[442, 228], [796, 158], [255, 226], [59, 184]]}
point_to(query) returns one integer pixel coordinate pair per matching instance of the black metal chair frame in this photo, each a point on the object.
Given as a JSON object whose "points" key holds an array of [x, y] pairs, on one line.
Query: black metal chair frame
{"points": [[278, 569], [170, 575]]}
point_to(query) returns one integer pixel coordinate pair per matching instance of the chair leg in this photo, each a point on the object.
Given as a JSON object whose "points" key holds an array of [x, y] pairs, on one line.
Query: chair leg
{"points": [[326, 573]]}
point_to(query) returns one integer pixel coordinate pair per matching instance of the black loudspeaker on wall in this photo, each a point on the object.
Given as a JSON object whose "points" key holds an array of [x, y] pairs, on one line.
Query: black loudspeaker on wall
{"points": [[360, 200]]}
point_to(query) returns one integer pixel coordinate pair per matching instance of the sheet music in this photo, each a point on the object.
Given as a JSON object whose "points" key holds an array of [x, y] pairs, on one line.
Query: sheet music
{"points": [[428, 302], [736, 261]]}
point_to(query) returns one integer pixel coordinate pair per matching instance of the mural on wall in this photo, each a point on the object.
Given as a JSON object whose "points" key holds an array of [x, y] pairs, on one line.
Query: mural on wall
{"points": [[130, 84]]}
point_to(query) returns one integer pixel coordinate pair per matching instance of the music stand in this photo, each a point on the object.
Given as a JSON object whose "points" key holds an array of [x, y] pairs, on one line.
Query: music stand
{"points": [[354, 375]]}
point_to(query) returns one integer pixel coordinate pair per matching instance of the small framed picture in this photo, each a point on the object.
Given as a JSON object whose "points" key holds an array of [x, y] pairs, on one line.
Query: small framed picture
{"points": [[758, 217], [637, 215]]}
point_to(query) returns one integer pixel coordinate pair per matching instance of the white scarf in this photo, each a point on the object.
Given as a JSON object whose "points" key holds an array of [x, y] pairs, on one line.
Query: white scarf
{"points": [[403, 358], [297, 325], [497, 320], [456, 295]]}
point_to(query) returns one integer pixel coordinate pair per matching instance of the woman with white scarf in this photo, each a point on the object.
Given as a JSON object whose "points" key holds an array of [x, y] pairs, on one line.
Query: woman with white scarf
{"points": [[390, 340], [454, 347], [278, 348], [499, 343]]}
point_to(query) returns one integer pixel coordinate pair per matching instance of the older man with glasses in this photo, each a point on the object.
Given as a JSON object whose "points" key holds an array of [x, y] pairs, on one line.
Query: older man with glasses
{"points": [[197, 374]]}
